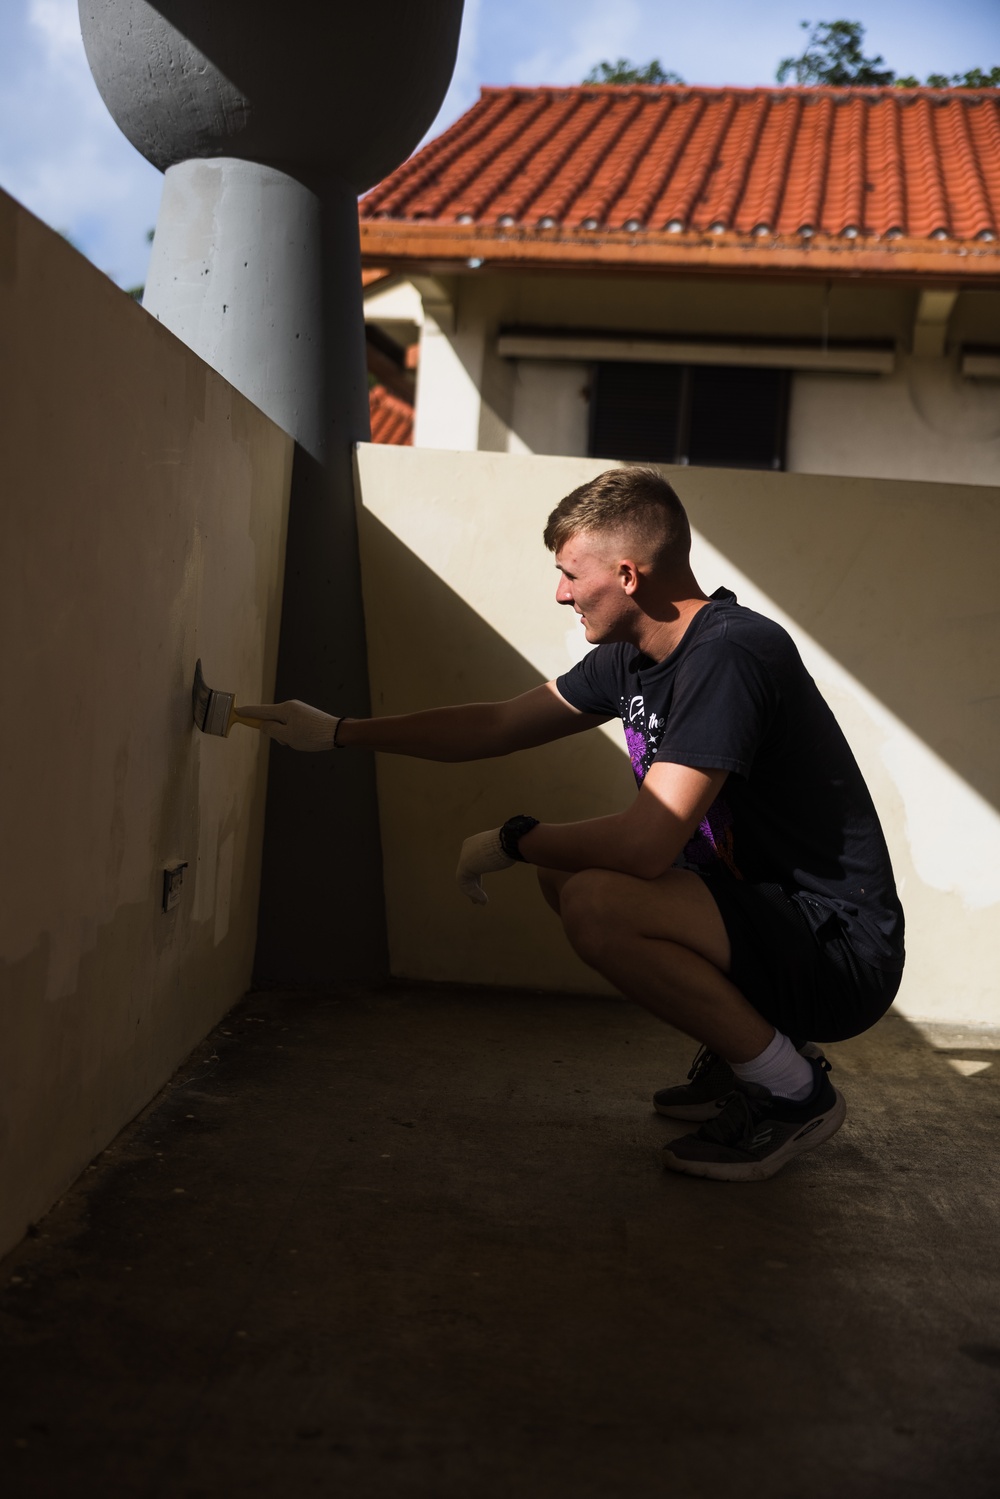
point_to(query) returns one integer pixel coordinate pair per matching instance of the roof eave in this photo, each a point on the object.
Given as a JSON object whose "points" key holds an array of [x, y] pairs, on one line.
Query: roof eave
{"points": [[453, 246]]}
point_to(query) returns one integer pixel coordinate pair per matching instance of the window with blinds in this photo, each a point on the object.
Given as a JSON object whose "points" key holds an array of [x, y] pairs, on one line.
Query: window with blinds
{"points": [[720, 416]]}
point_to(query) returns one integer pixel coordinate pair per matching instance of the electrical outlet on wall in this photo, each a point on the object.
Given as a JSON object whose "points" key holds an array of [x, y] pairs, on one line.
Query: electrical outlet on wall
{"points": [[173, 879]]}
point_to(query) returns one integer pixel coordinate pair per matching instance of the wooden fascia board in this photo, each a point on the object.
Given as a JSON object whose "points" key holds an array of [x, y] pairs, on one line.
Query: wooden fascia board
{"points": [[386, 241]]}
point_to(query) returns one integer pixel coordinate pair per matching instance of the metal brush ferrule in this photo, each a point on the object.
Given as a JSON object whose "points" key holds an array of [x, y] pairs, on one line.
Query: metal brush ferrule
{"points": [[217, 713]]}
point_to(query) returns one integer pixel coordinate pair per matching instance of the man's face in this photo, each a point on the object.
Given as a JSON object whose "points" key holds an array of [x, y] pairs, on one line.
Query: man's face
{"points": [[591, 581]]}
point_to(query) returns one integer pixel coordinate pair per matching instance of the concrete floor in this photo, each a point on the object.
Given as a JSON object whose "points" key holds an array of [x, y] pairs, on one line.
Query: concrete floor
{"points": [[419, 1243]]}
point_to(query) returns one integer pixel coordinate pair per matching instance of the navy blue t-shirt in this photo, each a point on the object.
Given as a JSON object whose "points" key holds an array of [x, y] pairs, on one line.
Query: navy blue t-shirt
{"points": [[794, 811]]}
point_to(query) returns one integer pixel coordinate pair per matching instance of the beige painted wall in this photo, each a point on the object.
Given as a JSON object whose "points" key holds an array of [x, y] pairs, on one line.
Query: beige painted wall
{"points": [[887, 588], [142, 525]]}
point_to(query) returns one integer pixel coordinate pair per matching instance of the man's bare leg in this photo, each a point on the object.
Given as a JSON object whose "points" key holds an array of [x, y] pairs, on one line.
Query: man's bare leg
{"points": [[662, 943]]}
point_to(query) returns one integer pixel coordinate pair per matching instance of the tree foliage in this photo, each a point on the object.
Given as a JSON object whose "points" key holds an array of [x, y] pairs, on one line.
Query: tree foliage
{"points": [[834, 55], [974, 78], [624, 71]]}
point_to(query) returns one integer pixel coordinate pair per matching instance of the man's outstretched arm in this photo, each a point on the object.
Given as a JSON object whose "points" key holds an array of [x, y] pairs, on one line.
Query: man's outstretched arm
{"points": [[469, 731]]}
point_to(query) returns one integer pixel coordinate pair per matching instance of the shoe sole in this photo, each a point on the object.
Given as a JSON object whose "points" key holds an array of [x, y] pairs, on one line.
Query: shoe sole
{"points": [[693, 1112], [810, 1135]]}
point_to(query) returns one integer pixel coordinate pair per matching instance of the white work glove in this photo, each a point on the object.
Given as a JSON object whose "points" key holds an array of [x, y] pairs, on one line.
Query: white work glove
{"points": [[295, 724], [481, 854]]}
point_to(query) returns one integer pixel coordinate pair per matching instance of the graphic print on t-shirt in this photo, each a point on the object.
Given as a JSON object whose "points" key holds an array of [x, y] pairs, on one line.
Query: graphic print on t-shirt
{"points": [[712, 842], [641, 739]]}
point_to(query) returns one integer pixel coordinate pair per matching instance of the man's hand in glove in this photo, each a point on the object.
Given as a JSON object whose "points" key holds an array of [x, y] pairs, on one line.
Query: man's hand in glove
{"points": [[295, 724], [481, 854]]}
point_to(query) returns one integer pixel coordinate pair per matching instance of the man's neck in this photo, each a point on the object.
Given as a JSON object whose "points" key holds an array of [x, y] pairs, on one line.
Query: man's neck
{"points": [[663, 636]]}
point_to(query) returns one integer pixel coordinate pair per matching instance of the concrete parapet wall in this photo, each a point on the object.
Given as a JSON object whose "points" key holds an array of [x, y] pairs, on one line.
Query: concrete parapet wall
{"points": [[142, 526], [885, 585]]}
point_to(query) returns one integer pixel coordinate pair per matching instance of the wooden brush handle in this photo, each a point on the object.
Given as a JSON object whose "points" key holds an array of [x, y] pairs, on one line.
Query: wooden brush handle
{"points": [[235, 717]]}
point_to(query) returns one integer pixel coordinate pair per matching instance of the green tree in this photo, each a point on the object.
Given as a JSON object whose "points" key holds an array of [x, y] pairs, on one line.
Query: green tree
{"points": [[833, 55], [624, 71], [974, 78]]}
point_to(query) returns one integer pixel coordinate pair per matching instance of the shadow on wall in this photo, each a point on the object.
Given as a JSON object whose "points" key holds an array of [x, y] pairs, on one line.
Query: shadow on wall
{"points": [[896, 582], [428, 648]]}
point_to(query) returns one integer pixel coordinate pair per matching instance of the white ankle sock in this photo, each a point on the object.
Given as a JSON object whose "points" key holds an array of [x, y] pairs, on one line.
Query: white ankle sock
{"points": [[780, 1069]]}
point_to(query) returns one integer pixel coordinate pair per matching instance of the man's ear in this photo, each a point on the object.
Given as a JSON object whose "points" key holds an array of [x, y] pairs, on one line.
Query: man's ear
{"points": [[628, 575]]}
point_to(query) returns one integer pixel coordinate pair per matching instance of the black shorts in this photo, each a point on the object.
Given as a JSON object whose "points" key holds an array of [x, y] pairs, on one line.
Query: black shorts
{"points": [[812, 987]]}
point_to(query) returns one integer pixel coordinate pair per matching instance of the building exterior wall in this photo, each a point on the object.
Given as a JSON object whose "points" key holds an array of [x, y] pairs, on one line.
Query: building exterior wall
{"points": [[887, 588], [143, 526], [551, 408], [397, 308], [449, 378], [924, 421]]}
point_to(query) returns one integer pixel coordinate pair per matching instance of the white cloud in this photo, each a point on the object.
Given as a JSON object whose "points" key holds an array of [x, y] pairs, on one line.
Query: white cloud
{"points": [[57, 23], [61, 154], [596, 32]]}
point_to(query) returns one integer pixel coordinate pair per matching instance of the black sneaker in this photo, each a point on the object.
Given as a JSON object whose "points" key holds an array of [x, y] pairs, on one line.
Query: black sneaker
{"points": [[709, 1086], [756, 1133]]}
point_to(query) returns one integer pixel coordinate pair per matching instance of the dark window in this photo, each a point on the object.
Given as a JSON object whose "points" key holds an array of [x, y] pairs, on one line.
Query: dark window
{"points": [[719, 416], [636, 411]]}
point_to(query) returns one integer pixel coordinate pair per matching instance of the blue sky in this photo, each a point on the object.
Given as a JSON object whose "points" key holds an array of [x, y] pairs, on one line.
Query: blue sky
{"points": [[63, 157]]}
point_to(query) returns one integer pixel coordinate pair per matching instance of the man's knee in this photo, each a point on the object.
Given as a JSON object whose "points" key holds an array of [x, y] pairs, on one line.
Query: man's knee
{"points": [[550, 882], [589, 905]]}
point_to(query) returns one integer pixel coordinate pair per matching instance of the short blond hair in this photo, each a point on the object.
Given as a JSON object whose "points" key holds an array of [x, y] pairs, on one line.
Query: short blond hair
{"points": [[633, 502]]}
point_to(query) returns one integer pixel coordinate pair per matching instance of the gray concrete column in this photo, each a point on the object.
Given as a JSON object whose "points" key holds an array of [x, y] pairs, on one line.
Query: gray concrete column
{"points": [[236, 272], [268, 121]]}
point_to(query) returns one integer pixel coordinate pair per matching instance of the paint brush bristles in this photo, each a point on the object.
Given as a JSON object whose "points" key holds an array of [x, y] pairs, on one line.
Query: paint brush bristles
{"points": [[215, 712], [211, 709]]}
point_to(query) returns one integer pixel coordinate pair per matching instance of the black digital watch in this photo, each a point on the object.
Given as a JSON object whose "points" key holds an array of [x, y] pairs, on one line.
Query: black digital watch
{"points": [[513, 831]]}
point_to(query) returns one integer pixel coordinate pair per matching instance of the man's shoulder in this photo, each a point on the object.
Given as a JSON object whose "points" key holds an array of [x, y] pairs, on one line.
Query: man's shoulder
{"points": [[595, 684], [733, 624]]}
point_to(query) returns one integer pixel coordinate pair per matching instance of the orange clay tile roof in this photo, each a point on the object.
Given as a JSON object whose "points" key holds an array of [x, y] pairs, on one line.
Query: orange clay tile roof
{"points": [[392, 419], [852, 180]]}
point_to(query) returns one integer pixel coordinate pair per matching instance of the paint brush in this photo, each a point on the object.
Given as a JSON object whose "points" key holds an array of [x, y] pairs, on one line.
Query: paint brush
{"points": [[215, 712]]}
